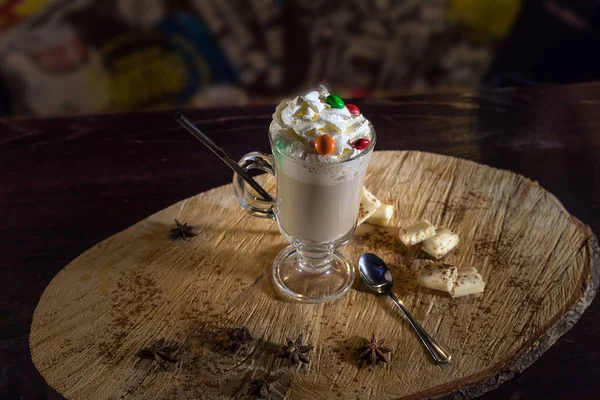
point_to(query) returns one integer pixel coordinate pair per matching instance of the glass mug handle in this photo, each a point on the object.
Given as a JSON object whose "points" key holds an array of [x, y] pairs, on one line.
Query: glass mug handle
{"points": [[252, 203]]}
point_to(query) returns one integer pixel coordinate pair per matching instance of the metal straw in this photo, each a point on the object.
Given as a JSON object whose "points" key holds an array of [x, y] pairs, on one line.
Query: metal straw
{"points": [[222, 155]]}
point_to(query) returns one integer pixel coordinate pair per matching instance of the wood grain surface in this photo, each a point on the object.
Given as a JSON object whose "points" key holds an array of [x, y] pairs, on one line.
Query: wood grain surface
{"points": [[68, 183], [539, 262]]}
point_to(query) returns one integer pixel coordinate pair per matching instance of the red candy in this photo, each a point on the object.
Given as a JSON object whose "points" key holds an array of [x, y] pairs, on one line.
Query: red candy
{"points": [[361, 144], [353, 109]]}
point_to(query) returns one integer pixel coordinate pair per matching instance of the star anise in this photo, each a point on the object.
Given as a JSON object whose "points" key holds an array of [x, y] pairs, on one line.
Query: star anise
{"points": [[295, 350], [371, 351], [160, 352], [182, 231], [236, 339], [263, 387]]}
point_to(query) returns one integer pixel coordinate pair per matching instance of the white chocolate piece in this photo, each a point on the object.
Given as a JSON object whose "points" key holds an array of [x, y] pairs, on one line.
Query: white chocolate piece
{"points": [[382, 215], [441, 244], [438, 277], [467, 271], [417, 233], [467, 284], [368, 205]]}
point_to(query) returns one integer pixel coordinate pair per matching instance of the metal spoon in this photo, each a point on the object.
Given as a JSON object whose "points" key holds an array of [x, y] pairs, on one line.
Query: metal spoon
{"points": [[197, 133], [378, 277]]}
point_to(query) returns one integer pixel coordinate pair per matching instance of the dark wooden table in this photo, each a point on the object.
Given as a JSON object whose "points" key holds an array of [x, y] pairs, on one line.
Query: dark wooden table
{"points": [[68, 183]]}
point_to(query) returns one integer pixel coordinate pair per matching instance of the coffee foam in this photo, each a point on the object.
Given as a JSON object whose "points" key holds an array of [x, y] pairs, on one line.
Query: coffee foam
{"points": [[320, 173]]}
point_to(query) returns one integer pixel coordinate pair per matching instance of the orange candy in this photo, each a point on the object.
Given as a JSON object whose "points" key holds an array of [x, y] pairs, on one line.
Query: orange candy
{"points": [[325, 145]]}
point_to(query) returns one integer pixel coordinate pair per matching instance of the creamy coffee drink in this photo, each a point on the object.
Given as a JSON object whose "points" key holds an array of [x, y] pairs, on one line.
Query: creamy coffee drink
{"points": [[322, 149]]}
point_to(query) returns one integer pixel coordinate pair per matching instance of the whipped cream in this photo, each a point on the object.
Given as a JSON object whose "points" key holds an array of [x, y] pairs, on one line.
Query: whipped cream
{"points": [[299, 121]]}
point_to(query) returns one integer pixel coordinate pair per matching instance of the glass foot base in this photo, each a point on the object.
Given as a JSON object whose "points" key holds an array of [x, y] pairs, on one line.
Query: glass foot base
{"points": [[311, 285]]}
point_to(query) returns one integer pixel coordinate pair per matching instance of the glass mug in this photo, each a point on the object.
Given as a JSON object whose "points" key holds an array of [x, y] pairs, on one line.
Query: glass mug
{"points": [[316, 209]]}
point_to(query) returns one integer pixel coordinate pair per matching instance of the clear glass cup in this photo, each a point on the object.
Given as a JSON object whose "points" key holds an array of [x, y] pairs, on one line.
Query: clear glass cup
{"points": [[316, 209]]}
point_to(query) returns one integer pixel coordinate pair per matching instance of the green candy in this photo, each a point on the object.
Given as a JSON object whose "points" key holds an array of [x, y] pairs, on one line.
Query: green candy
{"points": [[335, 101], [280, 144]]}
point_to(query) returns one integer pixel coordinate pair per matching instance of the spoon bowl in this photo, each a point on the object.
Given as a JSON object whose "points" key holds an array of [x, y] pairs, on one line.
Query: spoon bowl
{"points": [[375, 273]]}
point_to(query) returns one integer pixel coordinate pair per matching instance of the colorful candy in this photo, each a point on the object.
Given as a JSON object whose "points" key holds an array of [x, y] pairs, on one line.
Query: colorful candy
{"points": [[335, 101], [353, 109], [325, 145], [280, 143], [361, 144]]}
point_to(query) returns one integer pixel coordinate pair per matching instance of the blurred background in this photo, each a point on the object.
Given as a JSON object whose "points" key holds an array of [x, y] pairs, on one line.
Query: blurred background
{"points": [[68, 57]]}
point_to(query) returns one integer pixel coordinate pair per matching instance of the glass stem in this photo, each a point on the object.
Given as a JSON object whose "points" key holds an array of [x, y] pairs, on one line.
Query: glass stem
{"points": [[315, 258]]}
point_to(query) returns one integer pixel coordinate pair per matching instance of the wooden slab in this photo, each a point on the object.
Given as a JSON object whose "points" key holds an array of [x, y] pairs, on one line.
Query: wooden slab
{"points": [[539, 262]]}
